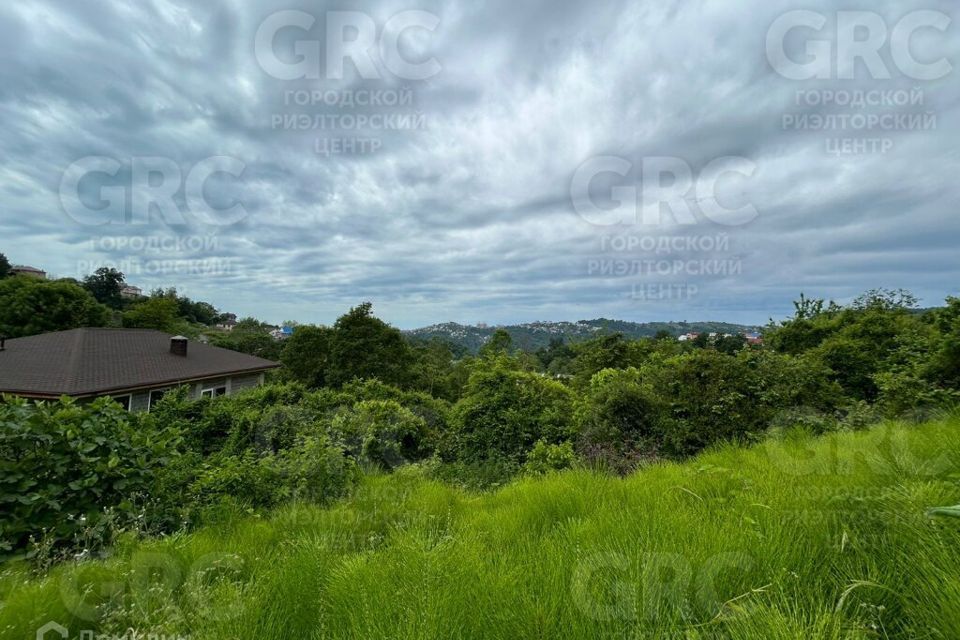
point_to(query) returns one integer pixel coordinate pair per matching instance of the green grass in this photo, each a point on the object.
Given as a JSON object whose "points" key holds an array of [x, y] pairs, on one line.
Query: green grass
{"points": [[797, 538]]}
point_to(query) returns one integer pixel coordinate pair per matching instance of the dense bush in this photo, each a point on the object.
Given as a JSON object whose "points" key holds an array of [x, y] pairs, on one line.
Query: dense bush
{"points": [[382, 433], [544, 457], [504, 412], [312, 469], [617, 415], [29, 306], [65, 467]]}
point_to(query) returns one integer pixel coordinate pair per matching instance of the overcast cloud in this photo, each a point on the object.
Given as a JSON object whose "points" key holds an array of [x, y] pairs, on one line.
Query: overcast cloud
{"points": [[465, 211]]}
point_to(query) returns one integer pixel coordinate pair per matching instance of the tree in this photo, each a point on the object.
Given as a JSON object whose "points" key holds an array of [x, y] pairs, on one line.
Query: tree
{"points": [[730, 344], [499, 343], [363, 346], [944, 367], [157, 312], [612, 351], [702, 341], [306, 355], [887, 299], [555, 357], [106, 284], [250, 336], [29, 306], [433, 370], [4, 266]]}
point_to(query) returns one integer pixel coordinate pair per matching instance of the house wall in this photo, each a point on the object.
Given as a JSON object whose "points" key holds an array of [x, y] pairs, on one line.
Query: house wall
{"points": [[141, 399]]}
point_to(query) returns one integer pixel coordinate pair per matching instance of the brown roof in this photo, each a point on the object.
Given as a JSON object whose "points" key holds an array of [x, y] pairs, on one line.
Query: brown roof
{"points": [[95, 361]]}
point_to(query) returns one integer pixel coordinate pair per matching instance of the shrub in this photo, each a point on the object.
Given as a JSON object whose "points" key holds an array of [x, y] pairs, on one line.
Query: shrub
{"points": [[504, 412], [616, 410], [545, 457], [381, 432], [434, 412], [314, 470], [64, 466]]}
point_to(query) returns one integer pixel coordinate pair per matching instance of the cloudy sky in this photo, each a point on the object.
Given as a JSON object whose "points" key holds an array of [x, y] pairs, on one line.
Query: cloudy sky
{"points": [[486, 161]]}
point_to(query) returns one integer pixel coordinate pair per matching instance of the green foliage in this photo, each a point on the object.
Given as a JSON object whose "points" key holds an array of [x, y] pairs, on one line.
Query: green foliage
{"points": [[382, 433], [363, 346], [434, 372], [306, 355], [619, 418], [824, 538], [606, 352], [545, 457], [730, 344], [62, 465], [556, 357], [251, 337], [312, 469], [29, 306], [156, 312], [500, 343], [944, 364], [4, 266], [856, 342], [105, 285], [359, 346], [503, 412]]}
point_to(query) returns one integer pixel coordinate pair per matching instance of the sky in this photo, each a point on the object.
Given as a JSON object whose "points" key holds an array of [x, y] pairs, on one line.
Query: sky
{"points": [[493, 161]]}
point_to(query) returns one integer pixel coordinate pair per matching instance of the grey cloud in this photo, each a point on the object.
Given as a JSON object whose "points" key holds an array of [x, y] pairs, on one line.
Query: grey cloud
{"points": [[470, 218]]}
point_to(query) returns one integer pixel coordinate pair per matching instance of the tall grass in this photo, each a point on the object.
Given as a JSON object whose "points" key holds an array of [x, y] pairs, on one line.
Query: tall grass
{"points": [[795, 538]]}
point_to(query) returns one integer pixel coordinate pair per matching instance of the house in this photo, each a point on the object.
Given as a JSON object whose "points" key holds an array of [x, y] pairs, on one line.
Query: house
{"points": [[129, 291], [227, 322], [753, 338], [688, 336], [24, 270], [282, 333], [133, 366]]}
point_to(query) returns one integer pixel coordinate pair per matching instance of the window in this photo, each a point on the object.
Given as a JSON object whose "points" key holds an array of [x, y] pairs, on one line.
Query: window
{"points": [[213, 392], [125, 401], [155, 396]]}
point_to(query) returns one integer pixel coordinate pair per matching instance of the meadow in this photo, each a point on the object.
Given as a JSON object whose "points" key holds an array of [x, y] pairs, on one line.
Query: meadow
{"points": [[796, 537]]}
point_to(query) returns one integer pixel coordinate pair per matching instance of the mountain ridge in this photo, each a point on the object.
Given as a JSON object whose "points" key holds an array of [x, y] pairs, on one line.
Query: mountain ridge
{"points": [[531, 336]]}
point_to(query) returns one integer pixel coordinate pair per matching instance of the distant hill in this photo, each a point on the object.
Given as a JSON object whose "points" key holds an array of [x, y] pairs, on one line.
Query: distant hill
{"points": [[534, 335]]}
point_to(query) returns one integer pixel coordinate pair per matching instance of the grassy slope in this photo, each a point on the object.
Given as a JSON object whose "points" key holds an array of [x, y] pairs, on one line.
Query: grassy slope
{"points": [[818, 538]]}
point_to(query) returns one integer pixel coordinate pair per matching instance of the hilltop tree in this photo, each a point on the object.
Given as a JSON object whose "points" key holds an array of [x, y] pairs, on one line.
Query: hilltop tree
{"points": [[4, 266], [29, 306], [106, 284], [306, 355], [157, 312], [499, 343], [363, 346]]}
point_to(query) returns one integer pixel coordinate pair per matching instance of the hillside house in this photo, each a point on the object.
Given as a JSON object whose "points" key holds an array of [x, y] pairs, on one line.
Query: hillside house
{"points": [[133, 366]]}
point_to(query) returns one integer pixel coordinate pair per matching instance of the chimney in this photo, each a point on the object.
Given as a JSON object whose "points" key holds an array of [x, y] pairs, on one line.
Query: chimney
{"points": [[178, 346]]}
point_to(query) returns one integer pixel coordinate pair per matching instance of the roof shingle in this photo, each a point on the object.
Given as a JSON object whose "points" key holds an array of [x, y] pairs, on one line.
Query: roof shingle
{"points": [[94, 361]]}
